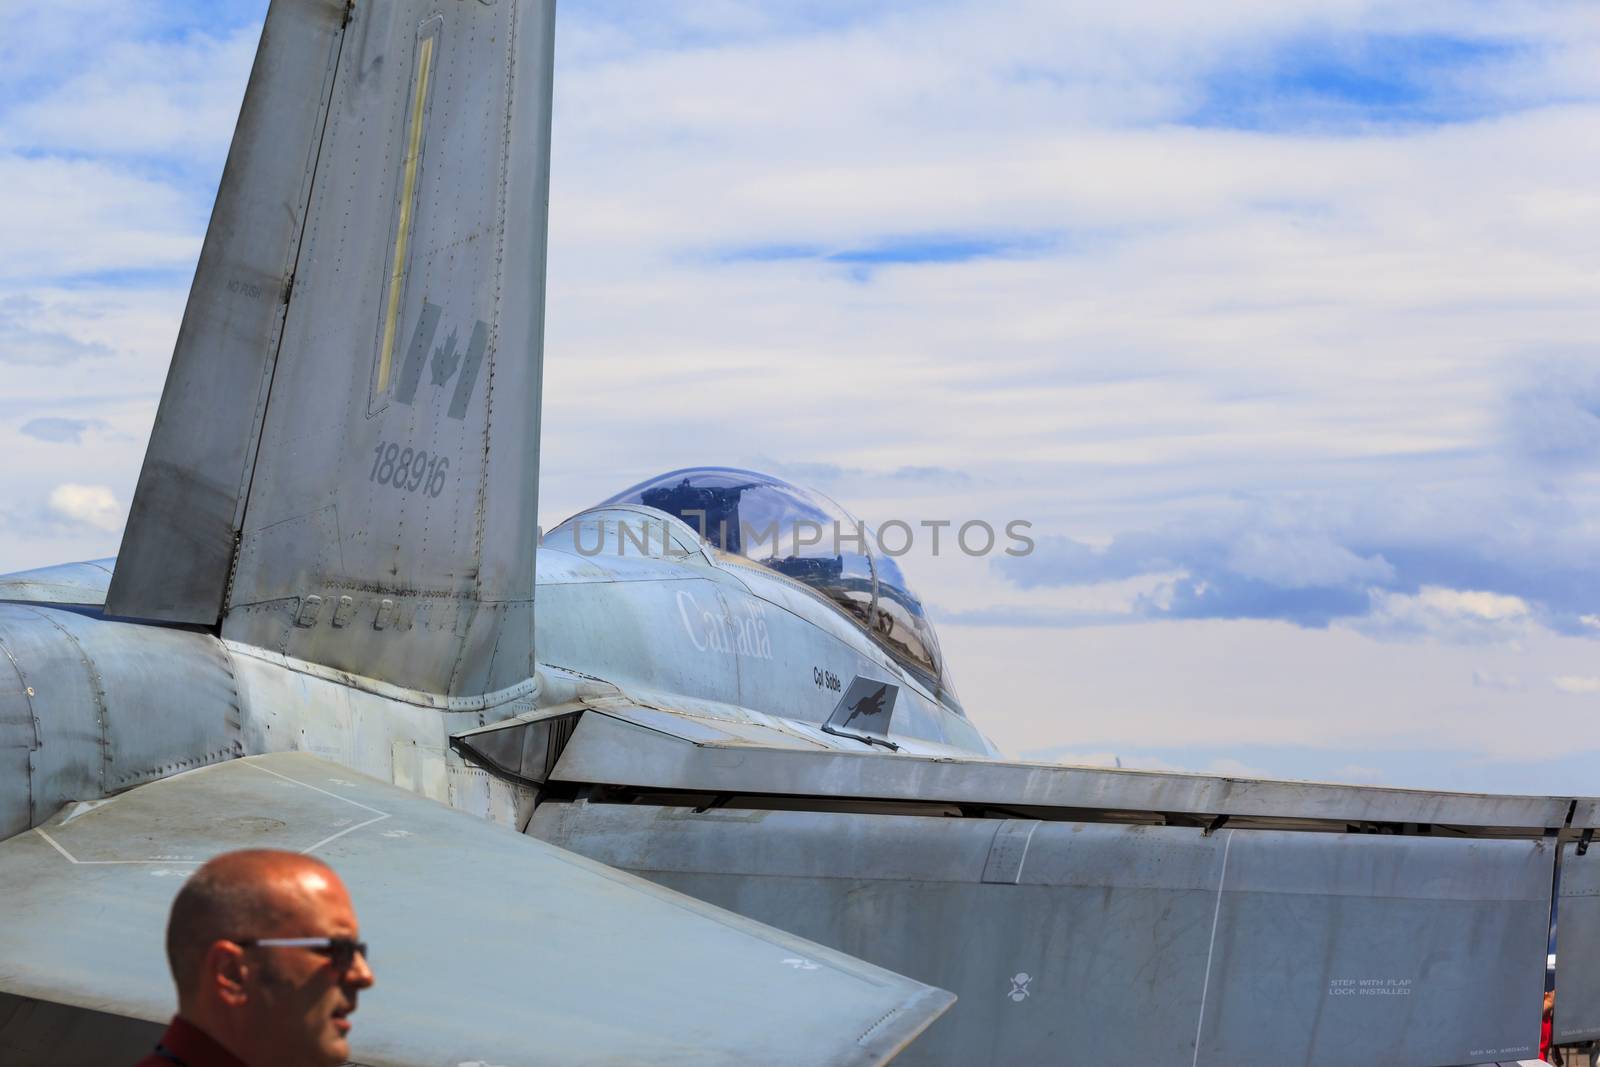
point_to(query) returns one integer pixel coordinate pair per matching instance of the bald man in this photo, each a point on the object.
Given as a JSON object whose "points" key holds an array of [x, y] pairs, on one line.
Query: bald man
{"points": [[265, 951]]}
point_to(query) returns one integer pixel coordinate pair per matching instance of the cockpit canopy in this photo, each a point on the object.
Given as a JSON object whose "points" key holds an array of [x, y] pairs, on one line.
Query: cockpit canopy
{"points": [[807, 537]]}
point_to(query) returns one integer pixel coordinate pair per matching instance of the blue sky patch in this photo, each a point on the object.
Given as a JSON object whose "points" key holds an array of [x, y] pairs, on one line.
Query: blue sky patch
{"points": [[154, 277], [895, 251], [1355, 81], [690, 26], [1312, 574], [931, 249], [57, 430], [776, 253]]}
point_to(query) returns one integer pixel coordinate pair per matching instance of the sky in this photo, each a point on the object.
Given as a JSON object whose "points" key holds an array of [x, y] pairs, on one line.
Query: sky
{"points": [[1279, 322]]}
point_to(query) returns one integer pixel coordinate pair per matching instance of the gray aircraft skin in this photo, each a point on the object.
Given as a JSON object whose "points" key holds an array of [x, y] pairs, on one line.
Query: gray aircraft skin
{"points": [[722, 804]]}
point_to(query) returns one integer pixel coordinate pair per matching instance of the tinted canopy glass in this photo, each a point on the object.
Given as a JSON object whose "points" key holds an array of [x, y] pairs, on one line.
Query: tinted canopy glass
{"points": [[804, 535]]}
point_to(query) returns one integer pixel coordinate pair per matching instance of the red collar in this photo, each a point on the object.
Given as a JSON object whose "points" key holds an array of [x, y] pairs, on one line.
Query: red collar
{"points": [[193, 1047]]}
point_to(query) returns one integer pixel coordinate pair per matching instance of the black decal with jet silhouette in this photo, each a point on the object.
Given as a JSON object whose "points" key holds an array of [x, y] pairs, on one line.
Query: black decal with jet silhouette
{"points": [[864, 712]]}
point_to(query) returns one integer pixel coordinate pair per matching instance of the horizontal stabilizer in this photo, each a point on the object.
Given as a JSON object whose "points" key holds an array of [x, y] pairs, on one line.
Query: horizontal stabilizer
{"points": [[1085, 943], [488, 946], [665, 748]]}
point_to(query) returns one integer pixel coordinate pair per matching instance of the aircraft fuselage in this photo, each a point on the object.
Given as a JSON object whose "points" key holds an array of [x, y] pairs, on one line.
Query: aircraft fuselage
{"points": [[92, 706]]}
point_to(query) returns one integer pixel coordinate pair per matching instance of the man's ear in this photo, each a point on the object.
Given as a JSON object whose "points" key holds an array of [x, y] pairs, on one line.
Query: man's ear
{"points": [[226, 973]]}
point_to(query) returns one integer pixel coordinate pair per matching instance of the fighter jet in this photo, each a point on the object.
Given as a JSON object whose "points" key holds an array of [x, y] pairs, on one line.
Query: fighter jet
{"points": [[675, 785]]}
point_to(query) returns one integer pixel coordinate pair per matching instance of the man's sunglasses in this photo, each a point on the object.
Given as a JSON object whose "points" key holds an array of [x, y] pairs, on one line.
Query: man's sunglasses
{"points": [[341, 950]]}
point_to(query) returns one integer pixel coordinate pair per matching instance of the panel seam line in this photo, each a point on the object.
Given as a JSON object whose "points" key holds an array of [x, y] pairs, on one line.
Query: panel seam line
{"points": [[1216, 915]]}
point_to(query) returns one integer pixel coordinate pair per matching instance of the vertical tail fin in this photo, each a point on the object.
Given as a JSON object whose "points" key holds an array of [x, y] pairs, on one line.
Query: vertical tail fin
{"points": [[345, 462]]}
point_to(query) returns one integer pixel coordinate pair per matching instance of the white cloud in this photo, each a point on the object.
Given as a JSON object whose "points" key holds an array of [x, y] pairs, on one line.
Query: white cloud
{"points": [[71, 217], [91, 505], [1506, 683], [1580, 684], [1491, 607], [1453, 615], [176, 98], [21, 341]]}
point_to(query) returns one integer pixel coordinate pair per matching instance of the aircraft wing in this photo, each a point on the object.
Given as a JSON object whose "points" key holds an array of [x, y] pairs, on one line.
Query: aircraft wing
{"points": [[1151, 917], [489, 947]]}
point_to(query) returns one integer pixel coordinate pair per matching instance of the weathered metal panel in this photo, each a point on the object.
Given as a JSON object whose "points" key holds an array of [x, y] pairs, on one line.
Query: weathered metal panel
{"points": [[1383, 951], [1586, 813], [653, 631], [168, 697], [383, 485], [1083, 943], [68, 761], [606, 750], [179, 540], [16, 793], [1096, 957], [19, 736], [37, 1032], [1578, 946], [683, 628], [110, 704], [523, 747], [292, 710], [722, 732], [489, 947], [66, 583], [1008, 852]]}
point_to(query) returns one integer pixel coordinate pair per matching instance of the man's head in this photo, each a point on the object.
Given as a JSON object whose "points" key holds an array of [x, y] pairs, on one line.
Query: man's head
{"points": [[267, 1004]]}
